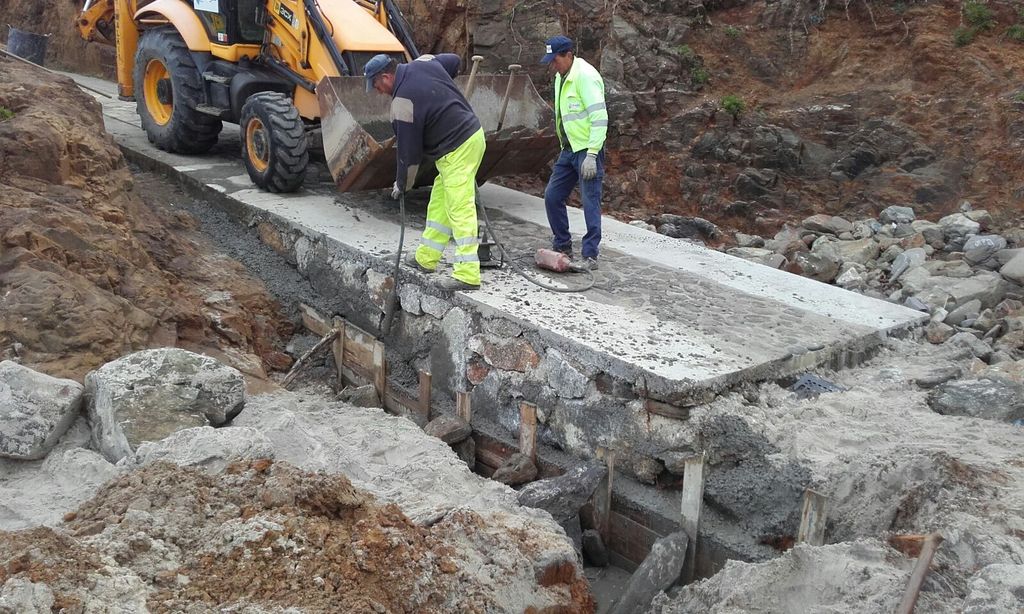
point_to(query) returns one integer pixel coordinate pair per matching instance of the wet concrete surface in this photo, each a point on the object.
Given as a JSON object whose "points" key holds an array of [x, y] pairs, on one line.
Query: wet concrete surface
{"points": [[676, 317]]}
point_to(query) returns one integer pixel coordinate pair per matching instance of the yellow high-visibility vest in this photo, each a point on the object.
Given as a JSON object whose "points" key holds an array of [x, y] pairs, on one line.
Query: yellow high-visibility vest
{"points": [[580, 110]]}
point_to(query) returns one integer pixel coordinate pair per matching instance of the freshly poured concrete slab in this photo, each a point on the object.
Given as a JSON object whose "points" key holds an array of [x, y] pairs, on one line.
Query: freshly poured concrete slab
{"points": [[676, 319]]}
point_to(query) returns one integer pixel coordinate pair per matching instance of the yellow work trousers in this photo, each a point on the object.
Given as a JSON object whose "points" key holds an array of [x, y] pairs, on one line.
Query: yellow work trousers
{"points": [[451, 212]]}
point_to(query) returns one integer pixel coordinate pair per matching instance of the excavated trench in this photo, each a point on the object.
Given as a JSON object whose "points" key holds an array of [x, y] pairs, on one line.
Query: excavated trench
{"points": [[640, 513]]}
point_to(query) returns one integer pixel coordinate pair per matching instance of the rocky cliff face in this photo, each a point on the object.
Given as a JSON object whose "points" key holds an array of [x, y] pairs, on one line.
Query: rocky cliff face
{"points": [[846, 108], [841, 108]]}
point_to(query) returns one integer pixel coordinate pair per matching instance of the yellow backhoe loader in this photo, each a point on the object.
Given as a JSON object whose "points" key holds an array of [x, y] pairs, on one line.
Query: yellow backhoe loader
{"points": [[288, 72]]}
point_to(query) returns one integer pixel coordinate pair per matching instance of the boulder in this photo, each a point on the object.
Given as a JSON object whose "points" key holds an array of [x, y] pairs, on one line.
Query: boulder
{"points": [[1005, 369], [915, 280], [449, 428], [982, 217], [916, 304], [1005, 255], [563, 496], [206, 447], [907, 260], [864, 229], [822, 266], [518, 469], [949, 268], [360, 396], [970, 309], [761, 256], [934, 234], [829, 224], [1014, 269], [949, 292], [851, 276], [937, 332], [937, 376], [658, 572], [992, 399], [594, 551], [683, 227], [980, 248], [896, 214], [148, 395], [860, 251], [956, 228], [745, 240], [977, 347], [35, 410]]}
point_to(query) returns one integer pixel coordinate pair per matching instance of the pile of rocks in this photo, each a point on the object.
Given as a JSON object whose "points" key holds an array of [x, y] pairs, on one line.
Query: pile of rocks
{"points": [[142, 397], [969, 278]]}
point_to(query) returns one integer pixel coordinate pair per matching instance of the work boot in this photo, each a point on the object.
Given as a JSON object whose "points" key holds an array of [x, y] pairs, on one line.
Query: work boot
{"points": [[411, 261], [453, 284], [589, 264]]}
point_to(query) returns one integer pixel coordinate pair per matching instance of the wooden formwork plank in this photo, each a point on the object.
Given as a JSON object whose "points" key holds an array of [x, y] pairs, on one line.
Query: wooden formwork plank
{"points": [[690, 508], [379, 369], [338, 349], [415, 407], [812, 519], [426, 380], [528, 430], [317, 323], [463, 406], [603, 498], [359, 348]]}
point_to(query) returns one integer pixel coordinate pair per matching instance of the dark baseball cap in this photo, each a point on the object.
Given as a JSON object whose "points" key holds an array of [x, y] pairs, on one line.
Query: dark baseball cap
{"points": [[374, 67], [555, 45]]}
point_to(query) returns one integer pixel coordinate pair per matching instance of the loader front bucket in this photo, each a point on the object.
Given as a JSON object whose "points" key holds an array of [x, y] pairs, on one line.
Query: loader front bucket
{"points": [[359, 142]]}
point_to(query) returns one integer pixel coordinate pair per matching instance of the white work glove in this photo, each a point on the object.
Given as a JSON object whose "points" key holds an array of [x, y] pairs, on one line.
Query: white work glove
{"points": [[395, 192], [588, 170]]}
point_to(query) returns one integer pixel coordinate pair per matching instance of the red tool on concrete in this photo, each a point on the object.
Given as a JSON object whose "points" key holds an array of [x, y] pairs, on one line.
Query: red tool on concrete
{"points": [[551, 260], [558, 262]]}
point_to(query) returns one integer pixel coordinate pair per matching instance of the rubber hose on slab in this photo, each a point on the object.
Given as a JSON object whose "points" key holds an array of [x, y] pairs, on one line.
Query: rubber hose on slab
{"points": [[521, 270]]}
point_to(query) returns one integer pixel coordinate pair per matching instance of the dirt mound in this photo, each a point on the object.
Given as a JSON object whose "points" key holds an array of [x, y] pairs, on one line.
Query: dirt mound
{"points": [[262, 535], [89, 272], [65, 48]]}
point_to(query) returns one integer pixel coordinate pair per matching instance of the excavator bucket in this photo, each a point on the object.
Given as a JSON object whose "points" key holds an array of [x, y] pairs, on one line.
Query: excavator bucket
{"points": [[359, 143]]}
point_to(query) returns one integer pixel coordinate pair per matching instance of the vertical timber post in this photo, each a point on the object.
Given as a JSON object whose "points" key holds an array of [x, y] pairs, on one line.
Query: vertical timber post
{"points": [[603, 499], [424, 395], [338, 349], [812, 519], [528, 430], [693, 499], [463, 407], [379, 370]]}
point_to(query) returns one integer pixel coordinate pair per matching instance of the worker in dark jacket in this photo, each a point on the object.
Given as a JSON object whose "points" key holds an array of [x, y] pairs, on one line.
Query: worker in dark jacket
{"points": [[431, 118]]}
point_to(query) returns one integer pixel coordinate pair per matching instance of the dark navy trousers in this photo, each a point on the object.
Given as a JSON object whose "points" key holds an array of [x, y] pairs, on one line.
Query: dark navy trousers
{"points": [[564, 177]]}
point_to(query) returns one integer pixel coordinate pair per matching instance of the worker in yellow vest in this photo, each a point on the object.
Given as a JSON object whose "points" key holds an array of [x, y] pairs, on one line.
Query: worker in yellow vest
{"points": [[581, 121]]}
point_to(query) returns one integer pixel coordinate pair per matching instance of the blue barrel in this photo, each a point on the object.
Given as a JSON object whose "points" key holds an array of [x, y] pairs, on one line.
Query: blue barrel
{"points": [[27, 45]]}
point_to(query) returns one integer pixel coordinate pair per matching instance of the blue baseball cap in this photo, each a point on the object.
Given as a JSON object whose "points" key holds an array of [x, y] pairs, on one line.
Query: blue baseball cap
{"points": [[374, 67], [555, 45]]}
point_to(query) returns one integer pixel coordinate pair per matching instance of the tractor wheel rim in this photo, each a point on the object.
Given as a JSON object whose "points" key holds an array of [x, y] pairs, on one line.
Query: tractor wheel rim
{"points": [[257, 144], [159, 111]]}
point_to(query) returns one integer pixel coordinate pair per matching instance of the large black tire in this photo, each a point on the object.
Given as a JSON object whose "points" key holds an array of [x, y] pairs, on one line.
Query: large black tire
{"points": [[168, 88], [274, 144]]}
